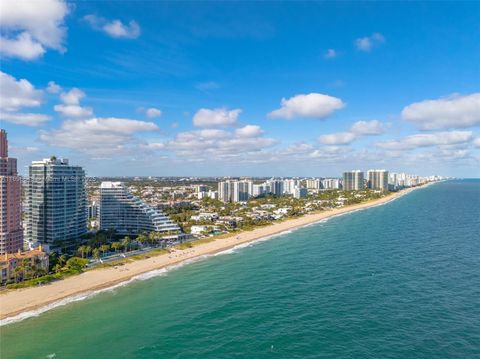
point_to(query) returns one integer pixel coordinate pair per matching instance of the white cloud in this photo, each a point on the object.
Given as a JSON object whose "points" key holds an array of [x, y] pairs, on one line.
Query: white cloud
{"points": [[368, 128], [27, 119], [476, 143], [249, 131], [114, 28], [219, 144], [72, 97], [31, 27], [97, 135], [219, 117], [427, 140], [53, 87], [153, 112], [313, 105], [368, 42], [73, 111], [16, 94], [23, 47], [330, 54], [445, 113], [71, 105], [357, 130], [340, 138]]}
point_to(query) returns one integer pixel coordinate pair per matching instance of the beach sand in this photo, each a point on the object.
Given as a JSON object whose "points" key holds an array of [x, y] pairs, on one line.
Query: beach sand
{"points": [[15, 302]]}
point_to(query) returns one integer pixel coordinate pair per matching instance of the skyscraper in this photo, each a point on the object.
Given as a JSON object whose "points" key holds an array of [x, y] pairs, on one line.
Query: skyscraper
{"points": [[378, 179], [57, 207], [353, 180], [11, 232]]}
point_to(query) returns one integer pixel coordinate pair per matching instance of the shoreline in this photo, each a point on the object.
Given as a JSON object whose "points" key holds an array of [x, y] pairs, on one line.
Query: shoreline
{"points": [[19, 304]]}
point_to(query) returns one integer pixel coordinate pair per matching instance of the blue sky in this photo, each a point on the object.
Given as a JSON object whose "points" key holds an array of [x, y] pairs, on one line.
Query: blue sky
{"points": [[196, 88]]}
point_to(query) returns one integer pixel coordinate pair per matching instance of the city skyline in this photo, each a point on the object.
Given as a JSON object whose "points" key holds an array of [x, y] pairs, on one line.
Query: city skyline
{"points": [[201, 90]]}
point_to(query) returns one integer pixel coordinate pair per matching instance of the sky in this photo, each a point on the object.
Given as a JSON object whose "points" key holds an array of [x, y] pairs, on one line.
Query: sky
{"points": [[155, 88]]}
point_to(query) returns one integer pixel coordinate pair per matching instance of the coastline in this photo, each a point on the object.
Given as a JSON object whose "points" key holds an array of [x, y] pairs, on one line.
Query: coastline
{"points": [[19, 304]]}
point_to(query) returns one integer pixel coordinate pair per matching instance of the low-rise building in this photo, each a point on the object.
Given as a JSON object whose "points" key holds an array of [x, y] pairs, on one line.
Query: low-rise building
{"points": [[20, 265]]}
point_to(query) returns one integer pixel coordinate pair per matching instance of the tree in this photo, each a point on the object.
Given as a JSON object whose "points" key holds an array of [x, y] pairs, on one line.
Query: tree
{"points": [[96, 253], [76, 264], [142, 238], [82, 250], [104, 248], [116, 246], [126, 242]]}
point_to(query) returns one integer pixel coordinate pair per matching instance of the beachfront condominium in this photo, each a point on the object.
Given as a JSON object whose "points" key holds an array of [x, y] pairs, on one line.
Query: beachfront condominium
{"points": [[11, 232], [56, 202], [378, 179], [235, 191], [353, 180], [125, 213]]}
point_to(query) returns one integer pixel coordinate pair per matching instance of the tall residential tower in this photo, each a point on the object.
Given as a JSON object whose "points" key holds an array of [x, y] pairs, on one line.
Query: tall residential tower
{"points": [[11, 232], [57, 205]]}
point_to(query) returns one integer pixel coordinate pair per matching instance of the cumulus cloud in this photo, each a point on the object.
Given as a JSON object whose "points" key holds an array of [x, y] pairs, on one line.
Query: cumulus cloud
{"points": [[427, 140], [97, 135], [368, 128], [114, 28], [218, 117], [445, 113], [330, 54], [53, 87], [17, 94], [312, 105], [219, 144], [153, 112], [27, 119], [71, 105], [357, 130], [29, 28], [249, 131], [476, 142], [368, 42], [340, 138]]}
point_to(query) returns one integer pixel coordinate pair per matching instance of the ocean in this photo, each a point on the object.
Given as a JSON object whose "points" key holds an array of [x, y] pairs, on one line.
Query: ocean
{"points": [[401, 280]]}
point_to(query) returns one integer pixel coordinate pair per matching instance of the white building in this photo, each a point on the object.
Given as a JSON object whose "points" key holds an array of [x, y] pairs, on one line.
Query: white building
{"points": [[300, 192], [127, 214], [353, 180], [235, 191], [378, 179], [57, 204]]}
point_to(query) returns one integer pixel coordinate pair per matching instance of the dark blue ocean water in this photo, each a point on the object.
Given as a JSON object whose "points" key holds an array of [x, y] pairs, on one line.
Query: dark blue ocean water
{"points": [[400, 280]]}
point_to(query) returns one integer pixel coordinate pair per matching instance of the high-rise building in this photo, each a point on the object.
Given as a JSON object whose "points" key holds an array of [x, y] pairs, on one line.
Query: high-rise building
{"points": [[57, 205], [235, 191], [353, 180], [378, 179], [314, 183], [276, 186], [126, 214], [11, 232], [289, 185]]}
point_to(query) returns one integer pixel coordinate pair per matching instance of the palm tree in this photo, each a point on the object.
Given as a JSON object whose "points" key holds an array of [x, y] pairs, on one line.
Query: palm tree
{"points": [[142, 238], [116, 246], [88, 250], [82, 250], [96, 253], [126, 242], [104, 248]]}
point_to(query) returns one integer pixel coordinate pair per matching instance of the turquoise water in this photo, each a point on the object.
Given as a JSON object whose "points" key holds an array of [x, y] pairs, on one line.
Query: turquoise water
{"points": [[400, 280]]}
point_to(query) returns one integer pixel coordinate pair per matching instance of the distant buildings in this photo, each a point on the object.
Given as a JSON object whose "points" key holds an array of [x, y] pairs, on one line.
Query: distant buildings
{"points": [[11, 232], [57, 205], [378, 179], [235, 191], [300, 192], [353, 180], [127, 214]]}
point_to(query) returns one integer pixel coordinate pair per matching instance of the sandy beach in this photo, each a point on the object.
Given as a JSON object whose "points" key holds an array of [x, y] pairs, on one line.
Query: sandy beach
{"points": [[15, 302]]}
